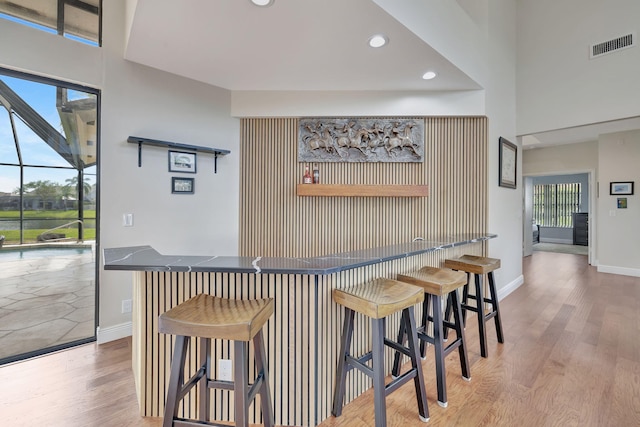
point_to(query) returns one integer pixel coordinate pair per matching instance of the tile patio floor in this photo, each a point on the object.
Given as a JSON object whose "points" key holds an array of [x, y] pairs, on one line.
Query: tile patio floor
{"points": [[46, 300]]}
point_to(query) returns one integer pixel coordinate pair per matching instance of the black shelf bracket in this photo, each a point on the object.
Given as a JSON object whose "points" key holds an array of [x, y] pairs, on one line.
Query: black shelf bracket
{"points": [[166, 144]]}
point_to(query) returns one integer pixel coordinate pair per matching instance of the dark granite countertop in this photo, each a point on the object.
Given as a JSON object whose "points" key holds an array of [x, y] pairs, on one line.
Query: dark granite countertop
{"points": [[145, 258]]}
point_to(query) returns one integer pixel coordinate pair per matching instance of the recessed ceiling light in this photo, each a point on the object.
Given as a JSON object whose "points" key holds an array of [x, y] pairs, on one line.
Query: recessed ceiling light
{"points": [[262, 2], [429, 75], [378, 40]]}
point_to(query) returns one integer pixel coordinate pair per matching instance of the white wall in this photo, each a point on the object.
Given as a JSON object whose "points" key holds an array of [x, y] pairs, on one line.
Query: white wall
{"points": [[558, 85], [619, 229], [563, 159], [344, 103], [144, 102], [505, 204]]}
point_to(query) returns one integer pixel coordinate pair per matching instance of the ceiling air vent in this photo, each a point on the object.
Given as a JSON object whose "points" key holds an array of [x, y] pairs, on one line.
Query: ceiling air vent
{"points": [[619, 43]]}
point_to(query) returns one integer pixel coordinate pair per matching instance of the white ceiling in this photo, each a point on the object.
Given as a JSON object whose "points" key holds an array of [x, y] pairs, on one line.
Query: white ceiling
{"points": [[579, 133], [296, 45], [302, 45]]}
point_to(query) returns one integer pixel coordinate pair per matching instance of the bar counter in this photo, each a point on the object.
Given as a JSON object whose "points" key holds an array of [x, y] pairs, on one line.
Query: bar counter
{"points": [[302, 337]]}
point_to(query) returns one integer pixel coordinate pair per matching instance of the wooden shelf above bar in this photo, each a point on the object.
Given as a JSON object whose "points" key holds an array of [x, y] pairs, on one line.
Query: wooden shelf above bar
{"points": [[346, 190]]}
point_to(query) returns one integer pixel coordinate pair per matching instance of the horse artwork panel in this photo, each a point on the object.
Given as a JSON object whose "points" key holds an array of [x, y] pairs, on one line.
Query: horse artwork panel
{"points": [[395, 139]]}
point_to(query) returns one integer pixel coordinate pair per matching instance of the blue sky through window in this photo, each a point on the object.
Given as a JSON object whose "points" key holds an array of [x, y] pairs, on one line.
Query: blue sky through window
{"points": [[46, 29], [42, 98]]}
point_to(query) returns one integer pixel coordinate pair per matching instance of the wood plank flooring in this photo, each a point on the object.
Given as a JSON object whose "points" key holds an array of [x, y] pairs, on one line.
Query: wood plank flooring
{"points": [[571, 357]]}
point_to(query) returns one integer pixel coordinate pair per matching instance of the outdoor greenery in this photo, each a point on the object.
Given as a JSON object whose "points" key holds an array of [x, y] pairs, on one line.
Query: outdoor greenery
{"points": [[48, 190], [555, 204], [31, 235], [47, 214], [12, 237], [51, 190]]}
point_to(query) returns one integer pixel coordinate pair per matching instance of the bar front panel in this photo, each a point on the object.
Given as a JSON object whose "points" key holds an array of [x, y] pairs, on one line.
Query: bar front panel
{"points": [[302, 337]]}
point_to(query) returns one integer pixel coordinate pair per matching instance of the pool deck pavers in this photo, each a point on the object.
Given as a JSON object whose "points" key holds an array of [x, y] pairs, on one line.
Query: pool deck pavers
{"points": [[46, 301]]}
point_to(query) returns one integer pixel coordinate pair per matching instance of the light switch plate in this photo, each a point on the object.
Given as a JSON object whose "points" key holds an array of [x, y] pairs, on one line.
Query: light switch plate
{"points": [[127, 220]]}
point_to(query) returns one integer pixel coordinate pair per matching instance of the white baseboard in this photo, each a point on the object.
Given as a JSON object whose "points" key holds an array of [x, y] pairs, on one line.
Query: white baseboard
{"points": [[624, 271], [112, 333], [560, 241], [506, 290]]}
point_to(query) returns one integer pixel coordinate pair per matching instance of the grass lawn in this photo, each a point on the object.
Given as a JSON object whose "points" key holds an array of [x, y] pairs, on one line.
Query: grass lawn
{"points": [[71, 214], [12, 237]]}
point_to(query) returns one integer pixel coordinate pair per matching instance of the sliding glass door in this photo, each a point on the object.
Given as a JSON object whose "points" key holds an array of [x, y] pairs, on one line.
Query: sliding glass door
{"points": [[48, 222]]}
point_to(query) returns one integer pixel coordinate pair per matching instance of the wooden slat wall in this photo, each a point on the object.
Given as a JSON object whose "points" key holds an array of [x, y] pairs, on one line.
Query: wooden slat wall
{"points": [[304, 333], [275, 222]]}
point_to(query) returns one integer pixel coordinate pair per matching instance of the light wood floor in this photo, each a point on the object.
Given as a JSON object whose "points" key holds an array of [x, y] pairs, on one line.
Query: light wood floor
{"points": [[571, 358]]}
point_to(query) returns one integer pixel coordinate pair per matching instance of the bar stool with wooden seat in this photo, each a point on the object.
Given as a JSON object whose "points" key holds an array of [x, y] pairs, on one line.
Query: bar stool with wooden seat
{"points": [[479, 266], [378, 300], [208, 317], [437, 283]]}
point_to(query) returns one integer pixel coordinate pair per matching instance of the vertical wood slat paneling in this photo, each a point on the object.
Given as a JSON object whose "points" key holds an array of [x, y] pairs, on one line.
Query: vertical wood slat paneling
{"points": [[275, 222]]}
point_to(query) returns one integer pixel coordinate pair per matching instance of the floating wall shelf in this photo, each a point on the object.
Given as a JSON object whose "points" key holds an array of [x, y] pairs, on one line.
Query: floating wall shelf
{"points": [[345, 190], [157, 143]]}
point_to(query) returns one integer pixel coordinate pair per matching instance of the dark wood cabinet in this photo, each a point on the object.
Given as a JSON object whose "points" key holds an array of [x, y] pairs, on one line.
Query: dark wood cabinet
{"points": [[581, 228]]}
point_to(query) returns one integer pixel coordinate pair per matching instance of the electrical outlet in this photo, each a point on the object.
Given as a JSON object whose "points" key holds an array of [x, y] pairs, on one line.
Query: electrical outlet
{"points": [[126, 306], [225, 370]]}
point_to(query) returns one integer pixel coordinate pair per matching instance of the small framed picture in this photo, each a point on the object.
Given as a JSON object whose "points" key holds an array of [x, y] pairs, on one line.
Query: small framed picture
{"points": [[624, 188], [182, 185], [508, 157], [622, 203], [182, 162]]}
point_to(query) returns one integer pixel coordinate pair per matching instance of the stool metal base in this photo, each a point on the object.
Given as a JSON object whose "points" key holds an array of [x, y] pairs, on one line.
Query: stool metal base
{"points": [[347, 362], [244, 393], [478, 308], [440, 326]]}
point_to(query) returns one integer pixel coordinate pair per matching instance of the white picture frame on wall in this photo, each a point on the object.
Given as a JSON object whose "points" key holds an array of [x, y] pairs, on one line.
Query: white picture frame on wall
{"points": [[508, 156], [180, 161]]}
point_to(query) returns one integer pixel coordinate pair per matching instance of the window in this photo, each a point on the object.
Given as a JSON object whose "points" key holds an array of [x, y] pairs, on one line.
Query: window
{"points": [[554, 204], [75, 19], [48, 158], [49, 151]]}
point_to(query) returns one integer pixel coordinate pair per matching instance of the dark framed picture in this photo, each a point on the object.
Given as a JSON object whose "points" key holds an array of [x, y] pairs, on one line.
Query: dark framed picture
{"points": [[625, 188], [622, 203], [180, 161], [182, 185], [508, 163]]}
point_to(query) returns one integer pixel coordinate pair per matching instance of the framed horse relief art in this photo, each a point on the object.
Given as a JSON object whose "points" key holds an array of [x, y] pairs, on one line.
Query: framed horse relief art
{"points": [[361, 139]]}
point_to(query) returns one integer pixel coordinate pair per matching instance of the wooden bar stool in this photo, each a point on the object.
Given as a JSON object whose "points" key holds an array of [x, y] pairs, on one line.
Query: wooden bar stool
{"points": [[437, 283], [209, 317], [378, 300], [478, 266]]}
